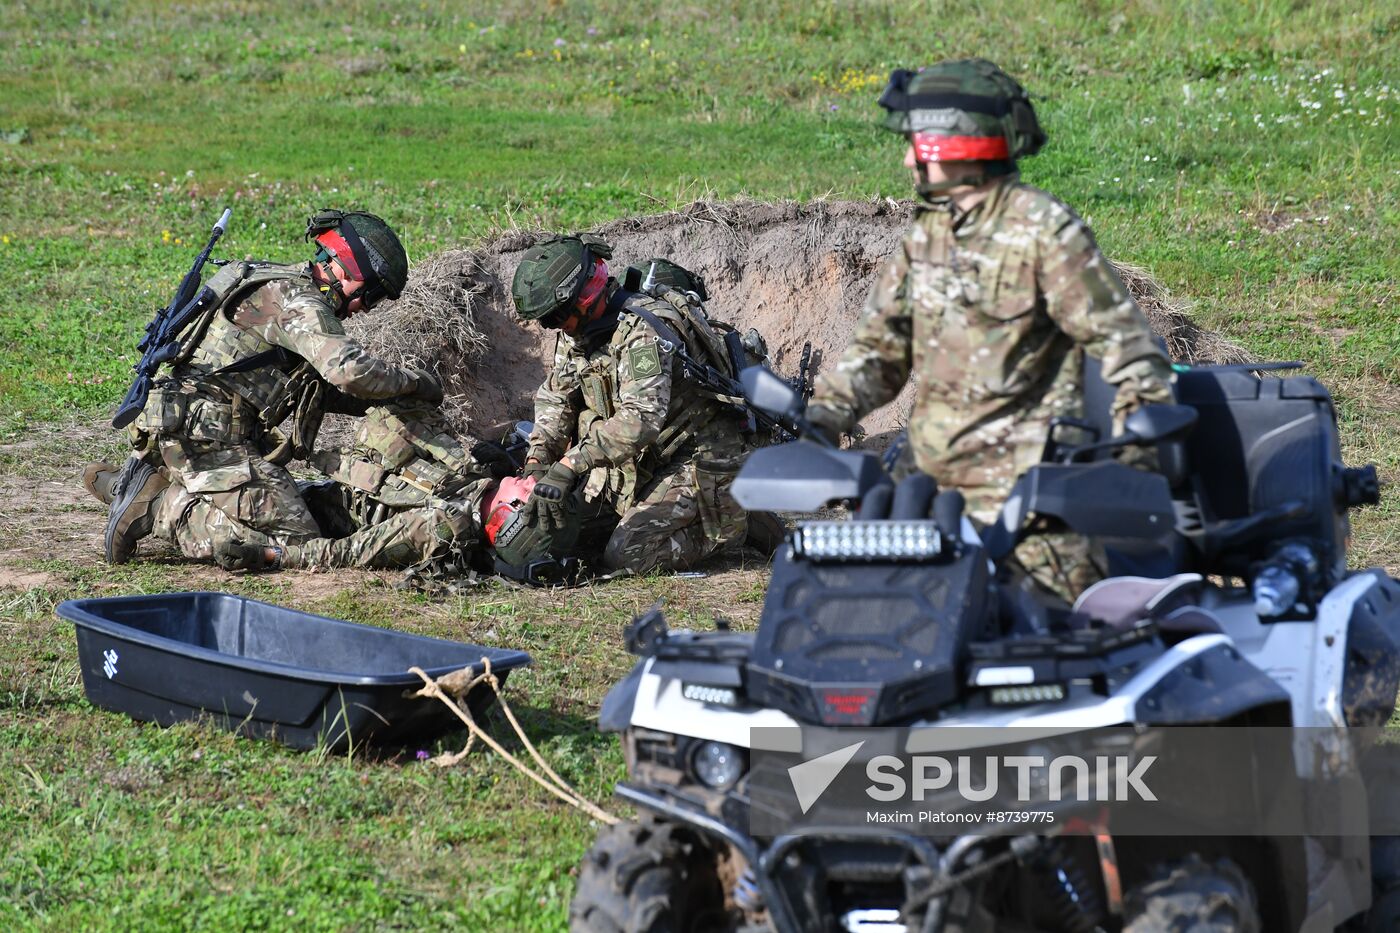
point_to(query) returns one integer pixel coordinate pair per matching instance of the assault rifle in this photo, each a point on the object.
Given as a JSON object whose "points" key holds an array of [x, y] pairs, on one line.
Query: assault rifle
{"points": [[162, 341]]}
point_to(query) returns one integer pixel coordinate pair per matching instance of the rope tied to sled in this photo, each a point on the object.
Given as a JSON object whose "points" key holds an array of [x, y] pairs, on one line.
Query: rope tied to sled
{"points": [[452, 689]]}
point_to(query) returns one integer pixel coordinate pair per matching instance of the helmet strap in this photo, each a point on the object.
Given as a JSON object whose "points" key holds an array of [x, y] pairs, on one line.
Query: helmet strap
{"points": [[329, 284], [939, 193]]}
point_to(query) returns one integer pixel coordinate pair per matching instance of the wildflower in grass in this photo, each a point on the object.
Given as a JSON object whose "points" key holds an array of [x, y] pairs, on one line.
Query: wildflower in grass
{"points": [[591, 30], [559, 43], [5, 239], [422, 754]]}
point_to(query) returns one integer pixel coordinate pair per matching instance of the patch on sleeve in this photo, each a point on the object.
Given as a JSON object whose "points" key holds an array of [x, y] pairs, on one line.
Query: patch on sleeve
{"points": [[645, 359]]}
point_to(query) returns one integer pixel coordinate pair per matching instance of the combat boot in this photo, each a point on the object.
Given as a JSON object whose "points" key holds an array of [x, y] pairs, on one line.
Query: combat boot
{"points": [[98, 479], [135, 494]]}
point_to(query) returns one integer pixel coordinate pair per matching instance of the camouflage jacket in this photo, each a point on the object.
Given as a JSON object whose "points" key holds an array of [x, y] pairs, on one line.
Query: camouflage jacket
{"points": [[617, 399], [986, 309], [212, 422]]}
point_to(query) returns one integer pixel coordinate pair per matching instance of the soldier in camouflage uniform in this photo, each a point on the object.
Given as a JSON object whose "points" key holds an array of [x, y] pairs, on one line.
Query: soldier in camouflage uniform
{"points": [[209, 460], [406, 492], [991, 300], [652, 455]]}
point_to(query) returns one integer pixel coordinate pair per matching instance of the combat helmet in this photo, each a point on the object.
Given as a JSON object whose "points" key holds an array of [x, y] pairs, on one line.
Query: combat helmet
{"points": [[559, 274], [662, 271], [365, 247], [959, 111]]}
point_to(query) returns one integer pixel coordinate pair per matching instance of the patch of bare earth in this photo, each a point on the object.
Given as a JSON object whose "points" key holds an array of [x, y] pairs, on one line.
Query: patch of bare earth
{"points": [[796, 272]]}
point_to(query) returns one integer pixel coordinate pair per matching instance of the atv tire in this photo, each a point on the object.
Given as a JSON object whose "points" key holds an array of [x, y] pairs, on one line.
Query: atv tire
{"points": [[649, 877], [1191, 896]]}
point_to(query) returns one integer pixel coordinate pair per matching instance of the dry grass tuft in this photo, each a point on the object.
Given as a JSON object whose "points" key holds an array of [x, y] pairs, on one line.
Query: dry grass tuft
{"points": [[1170, 318], [435, 315]]}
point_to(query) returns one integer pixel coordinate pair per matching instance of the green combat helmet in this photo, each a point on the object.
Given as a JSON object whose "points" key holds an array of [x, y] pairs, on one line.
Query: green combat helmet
{"points": [[558, 274], [365, 247], [664, 272], [962, 111]]}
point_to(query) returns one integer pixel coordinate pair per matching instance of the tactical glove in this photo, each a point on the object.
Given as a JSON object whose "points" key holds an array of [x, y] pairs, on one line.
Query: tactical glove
{"points": [[234, 555], [426, 386], [537, 470], [557, 482], [548, 504], [494, 460]]}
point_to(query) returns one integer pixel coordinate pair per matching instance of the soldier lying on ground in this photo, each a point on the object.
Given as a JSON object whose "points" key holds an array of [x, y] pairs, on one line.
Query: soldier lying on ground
{"points": [[208, 464], [406, 492], [650, 455], [993, 298]]}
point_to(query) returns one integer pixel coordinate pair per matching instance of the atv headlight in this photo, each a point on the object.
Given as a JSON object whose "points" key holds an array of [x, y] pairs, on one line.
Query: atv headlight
{"points": [[1031, 693], [878, 540], [717, 764]]}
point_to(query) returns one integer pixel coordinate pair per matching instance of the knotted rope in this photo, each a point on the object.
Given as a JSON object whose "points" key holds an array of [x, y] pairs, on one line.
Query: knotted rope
{"points": [[459, 684]]}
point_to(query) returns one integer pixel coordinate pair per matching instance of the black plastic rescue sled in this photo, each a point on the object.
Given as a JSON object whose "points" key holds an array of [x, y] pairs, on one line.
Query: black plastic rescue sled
{"points": [[265, 670]]}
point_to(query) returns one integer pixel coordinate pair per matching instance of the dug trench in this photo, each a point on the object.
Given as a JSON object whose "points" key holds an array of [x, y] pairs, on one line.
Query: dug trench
{"points": [[798, 273]]}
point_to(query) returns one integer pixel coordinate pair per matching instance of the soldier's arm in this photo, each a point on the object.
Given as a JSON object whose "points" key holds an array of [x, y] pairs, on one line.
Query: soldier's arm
{"points": [[643, 398], [1088, 301], [557, 406], [876, 364], [300, 321]]}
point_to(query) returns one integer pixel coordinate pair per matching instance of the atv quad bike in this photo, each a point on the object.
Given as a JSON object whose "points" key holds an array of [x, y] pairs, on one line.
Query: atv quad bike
{"points": [[1229, 602]]}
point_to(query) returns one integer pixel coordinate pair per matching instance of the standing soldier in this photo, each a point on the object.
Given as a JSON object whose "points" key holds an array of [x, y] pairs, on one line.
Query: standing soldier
{"points": [[990, 299], [652, 454], [208, 465]]}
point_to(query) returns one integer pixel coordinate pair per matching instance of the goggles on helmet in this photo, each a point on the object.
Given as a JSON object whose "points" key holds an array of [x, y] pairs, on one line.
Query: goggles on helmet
{"points": [[937, 147]]}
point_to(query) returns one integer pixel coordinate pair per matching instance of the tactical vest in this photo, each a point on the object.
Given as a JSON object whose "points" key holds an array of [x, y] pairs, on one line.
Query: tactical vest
{"points": [[199, 402], [403, 457]]}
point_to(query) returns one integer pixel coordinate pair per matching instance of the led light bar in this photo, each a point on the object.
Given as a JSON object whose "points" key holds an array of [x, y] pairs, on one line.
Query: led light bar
{"points": [[913, 541], [703, 693], [1032, 693]]}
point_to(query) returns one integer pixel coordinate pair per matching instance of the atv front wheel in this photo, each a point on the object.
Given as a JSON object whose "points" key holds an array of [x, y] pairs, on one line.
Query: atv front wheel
{"points": [[649, 877], [1191, 896]]}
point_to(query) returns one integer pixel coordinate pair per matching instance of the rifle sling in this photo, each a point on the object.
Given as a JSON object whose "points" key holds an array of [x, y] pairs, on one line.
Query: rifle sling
{"points": [[277, 356]]}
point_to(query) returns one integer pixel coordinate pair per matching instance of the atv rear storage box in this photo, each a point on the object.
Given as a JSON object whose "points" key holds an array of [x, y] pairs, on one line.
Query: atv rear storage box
{"points": [[265, 670]]}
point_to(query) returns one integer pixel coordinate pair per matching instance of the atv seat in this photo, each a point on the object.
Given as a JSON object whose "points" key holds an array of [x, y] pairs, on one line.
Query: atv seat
{"points": [[1123, 601]]}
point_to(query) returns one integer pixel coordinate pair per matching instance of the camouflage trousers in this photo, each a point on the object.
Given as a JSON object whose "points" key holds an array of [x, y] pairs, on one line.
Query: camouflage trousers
{"points": [[681, 517], [1060, 563], [265, 509], [401, 538]]}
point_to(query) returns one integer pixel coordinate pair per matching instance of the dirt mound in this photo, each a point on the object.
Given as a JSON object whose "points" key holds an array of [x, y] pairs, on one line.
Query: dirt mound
{"points": [[797, 272]]}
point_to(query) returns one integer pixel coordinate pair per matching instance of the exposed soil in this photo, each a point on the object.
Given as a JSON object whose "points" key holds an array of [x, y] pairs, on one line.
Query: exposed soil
{"points": [[797, 272]]}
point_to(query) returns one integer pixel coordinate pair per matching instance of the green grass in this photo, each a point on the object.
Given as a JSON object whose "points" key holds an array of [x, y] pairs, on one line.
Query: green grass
{"points": [[1221, 145]]}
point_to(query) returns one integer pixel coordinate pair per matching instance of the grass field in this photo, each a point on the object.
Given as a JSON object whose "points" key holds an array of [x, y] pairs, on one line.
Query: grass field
{"points": [[1245, 153]]}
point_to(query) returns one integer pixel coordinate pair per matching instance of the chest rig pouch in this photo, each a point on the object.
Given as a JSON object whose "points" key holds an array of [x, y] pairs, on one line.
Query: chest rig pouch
{"points": [[598, 380]]}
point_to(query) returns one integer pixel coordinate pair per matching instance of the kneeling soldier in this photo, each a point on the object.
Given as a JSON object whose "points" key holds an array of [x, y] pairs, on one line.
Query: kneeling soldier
{"points": [[651, 453], [209, 460]]}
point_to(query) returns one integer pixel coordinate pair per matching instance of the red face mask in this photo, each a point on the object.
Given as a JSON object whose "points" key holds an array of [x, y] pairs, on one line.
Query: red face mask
{"points": [[934, 147]]}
